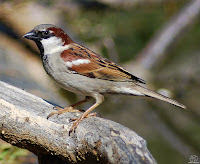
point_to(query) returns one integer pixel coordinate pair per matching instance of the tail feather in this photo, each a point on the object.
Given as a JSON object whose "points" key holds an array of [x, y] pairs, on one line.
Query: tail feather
{"points": [[150, 93]]}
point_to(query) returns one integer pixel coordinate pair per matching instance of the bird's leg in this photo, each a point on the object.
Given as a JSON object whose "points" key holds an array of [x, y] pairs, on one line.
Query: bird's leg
{"points": [[99, 100], [69, 108]]}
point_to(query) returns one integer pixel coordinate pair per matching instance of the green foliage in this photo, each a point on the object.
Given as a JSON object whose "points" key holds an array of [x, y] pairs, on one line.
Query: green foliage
{"points": [[164, 153], [130, 28], [9, 153]]}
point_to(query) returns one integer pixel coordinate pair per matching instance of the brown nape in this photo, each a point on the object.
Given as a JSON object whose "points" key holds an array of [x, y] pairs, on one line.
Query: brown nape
{"points": [[60, 33]]}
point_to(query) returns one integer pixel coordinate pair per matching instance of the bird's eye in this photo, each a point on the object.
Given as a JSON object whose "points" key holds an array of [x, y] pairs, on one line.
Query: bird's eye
{"points": [[43, 34], [46, 32]]}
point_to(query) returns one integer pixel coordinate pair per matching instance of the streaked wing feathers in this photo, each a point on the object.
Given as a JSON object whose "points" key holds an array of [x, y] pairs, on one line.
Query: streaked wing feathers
{"points": [[98, 67]]}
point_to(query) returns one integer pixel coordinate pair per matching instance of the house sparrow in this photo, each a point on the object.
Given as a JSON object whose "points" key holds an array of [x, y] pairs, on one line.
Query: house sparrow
{"points": [[82, 71]]}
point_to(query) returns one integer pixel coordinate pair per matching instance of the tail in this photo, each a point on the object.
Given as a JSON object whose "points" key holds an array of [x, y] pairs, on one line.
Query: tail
{"points": [[147, 92]]}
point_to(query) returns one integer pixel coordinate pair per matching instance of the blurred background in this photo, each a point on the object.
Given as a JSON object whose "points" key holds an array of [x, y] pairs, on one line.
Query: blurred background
{"points": [[156, 40]]}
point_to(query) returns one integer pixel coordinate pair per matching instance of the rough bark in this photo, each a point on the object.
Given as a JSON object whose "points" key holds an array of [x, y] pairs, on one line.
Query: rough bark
{"points": [[23, 123]]}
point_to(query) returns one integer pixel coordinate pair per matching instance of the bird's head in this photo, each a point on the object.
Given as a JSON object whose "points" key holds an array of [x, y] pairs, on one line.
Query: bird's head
{"points": [[48, 37]]}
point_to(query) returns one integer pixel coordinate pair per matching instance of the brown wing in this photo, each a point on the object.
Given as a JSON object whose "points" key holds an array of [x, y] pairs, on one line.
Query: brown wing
{"points": [[98, 67]]}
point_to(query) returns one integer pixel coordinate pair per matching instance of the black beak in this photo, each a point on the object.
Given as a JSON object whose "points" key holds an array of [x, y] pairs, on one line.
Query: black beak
{"points": [[31, 35]]}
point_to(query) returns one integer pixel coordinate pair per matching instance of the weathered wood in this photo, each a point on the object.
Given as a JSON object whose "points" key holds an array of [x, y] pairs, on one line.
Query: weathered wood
{"points": [[23, 123]]}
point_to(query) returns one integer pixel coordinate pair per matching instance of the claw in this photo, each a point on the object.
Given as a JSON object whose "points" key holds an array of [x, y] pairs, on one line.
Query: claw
{"points": [[72, 119], [70, 131], [51, 114], [78, 120], [57, 108]]}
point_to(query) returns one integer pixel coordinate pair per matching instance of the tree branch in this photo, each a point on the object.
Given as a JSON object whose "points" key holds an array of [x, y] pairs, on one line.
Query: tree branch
{"points": [[23, 123]]}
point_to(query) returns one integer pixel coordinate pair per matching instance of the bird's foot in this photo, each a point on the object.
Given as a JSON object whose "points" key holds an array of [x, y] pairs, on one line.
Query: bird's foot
{"points": [[78, 120], [62, 110]]}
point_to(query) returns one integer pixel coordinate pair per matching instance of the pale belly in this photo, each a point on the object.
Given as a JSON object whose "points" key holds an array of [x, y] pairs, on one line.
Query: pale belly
{"points": [[72, 81]]}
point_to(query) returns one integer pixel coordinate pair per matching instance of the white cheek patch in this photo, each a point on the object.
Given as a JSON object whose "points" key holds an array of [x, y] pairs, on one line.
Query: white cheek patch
{"points": [[59, 49], [53, 45], [77, 62], [51, 41]]}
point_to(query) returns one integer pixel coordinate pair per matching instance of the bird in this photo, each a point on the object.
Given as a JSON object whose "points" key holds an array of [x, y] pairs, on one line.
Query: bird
{"points": [[82, 71]]}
